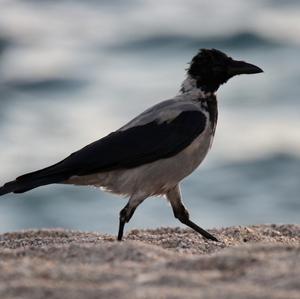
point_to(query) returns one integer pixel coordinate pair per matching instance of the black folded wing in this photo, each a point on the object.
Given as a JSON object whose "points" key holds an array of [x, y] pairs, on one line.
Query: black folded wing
{"points": [[120, 150]]}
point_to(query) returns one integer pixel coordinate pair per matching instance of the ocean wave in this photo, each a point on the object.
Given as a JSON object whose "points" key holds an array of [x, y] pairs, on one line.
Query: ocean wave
{"points": [[4, 44], [273, 179], [275, 164], [286, 3], [238, 40], [46, 85]]}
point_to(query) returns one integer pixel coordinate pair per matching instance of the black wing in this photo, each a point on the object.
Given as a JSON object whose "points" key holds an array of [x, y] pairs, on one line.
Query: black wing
{"points": [[122, 149]]}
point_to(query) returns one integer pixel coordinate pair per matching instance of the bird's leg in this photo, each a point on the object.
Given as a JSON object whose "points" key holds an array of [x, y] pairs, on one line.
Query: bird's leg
{"points": [[127, 212], [181, 213], [125, 215]]}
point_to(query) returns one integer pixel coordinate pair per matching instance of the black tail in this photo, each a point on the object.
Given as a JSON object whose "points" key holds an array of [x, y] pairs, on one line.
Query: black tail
{"points": [[33, 180], [20, 186]]}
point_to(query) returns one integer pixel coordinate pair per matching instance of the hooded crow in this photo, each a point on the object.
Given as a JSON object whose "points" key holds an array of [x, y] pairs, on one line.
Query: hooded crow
{"points": [[155, 151]]}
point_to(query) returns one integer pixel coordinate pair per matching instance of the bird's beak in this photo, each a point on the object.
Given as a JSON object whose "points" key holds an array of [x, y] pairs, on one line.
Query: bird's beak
{"points": [[240, 67]]}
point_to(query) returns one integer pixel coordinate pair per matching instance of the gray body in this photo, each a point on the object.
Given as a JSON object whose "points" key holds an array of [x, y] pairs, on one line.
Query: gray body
{"points": [[161, 176]]}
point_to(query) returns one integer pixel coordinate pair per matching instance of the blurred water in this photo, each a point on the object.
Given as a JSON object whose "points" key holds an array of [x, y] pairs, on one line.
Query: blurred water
{"points": [[72, 71]]}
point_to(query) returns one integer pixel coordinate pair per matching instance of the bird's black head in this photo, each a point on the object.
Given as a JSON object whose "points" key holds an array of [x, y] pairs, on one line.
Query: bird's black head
{"points": [[211, 68]]}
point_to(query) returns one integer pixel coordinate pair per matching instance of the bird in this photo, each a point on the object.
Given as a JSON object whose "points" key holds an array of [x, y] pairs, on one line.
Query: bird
{"points": [[155, 151]]}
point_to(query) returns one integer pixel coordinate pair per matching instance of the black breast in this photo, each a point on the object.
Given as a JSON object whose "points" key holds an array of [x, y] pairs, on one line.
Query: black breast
{"points": [[211, 106]]}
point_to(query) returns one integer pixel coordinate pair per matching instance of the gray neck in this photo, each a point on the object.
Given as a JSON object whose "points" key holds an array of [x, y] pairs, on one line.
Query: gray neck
{"points": [[189, 87]]}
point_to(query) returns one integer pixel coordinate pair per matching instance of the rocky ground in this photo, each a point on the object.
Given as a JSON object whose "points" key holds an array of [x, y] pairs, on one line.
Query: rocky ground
{"points": [[260, 261]]}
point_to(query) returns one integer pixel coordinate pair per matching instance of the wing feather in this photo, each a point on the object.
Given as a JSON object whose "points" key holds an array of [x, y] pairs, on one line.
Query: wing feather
{"points": [[121, 149], [138, 145]]}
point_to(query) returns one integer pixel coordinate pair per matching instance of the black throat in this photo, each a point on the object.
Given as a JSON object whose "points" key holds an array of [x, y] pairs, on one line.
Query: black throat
{"points": [[210, 104], [207, 100]]}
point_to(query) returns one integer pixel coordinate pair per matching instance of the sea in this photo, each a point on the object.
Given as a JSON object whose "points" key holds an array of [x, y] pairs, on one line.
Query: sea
{"points": [[73, 71]]}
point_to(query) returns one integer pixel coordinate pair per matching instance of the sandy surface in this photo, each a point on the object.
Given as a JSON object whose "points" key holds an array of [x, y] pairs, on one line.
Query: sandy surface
{"points": [[251, 262]]}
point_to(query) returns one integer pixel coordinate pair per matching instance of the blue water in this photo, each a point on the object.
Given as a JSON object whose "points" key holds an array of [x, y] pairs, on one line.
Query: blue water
{"points": [[72, 71]]}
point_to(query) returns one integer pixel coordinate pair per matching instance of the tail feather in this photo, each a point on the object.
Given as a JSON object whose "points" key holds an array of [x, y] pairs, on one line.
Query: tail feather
{"points": [[7, 188], [30, 181], [56, 173]]}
